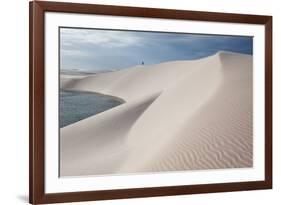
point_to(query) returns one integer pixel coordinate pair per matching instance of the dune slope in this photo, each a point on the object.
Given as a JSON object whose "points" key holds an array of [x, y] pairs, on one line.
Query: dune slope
{"points": [[181, 115]]}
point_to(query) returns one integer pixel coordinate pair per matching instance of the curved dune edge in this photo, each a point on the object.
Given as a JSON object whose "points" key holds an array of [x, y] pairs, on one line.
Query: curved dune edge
{"points": [[180, 115]]}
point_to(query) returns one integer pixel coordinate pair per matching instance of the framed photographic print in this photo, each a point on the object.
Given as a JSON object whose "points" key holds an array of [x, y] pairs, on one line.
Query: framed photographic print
{"points": [[139, 102]]}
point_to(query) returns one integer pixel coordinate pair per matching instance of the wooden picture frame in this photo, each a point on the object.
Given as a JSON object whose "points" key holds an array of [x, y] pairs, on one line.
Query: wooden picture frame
{"points": [[37, 194]]}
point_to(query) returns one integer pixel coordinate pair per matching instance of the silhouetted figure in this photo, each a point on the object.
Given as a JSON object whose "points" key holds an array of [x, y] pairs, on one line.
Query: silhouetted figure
{"points": [[142, 63]]}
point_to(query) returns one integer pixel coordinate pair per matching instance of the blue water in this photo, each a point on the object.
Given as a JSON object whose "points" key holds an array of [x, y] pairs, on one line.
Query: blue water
{"points": [[75, 106]]}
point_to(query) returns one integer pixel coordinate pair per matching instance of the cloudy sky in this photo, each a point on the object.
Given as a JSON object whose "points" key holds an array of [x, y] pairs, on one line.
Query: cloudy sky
{"points": [[100, 50]]}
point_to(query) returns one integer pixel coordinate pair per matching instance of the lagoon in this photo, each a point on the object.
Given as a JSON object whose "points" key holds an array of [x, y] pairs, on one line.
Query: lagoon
{"points": [[75, 106]]}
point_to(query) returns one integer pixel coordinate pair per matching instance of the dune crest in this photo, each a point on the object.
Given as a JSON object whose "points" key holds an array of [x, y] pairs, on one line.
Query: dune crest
{"points": [[180, 115]]}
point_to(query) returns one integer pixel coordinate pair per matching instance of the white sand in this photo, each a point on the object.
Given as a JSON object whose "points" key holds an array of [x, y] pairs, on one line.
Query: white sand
{"points": [[180, 115]]}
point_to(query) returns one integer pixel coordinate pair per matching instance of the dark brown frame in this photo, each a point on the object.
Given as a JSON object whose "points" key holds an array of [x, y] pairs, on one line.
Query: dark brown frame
{"points": [[37, 194]]}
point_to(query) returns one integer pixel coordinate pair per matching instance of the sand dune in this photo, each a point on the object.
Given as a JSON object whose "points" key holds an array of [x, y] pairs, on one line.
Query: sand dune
{"points": [[180, 115]]}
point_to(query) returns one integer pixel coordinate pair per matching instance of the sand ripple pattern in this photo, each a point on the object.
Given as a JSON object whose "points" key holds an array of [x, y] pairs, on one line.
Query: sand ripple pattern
{"points": [[212, 139]]}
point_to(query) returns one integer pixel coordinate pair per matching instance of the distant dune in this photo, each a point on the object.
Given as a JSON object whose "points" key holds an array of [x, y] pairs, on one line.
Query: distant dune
{"points": [[179, 115]]}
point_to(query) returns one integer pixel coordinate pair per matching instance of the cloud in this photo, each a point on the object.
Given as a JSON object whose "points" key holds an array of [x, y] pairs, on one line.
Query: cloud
{"points": [[93, 49], [72, 52], [97, 37]]}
